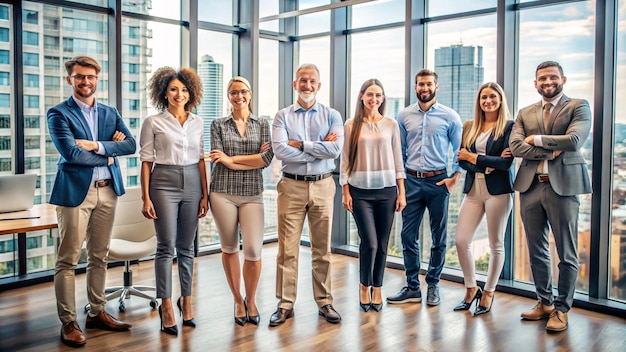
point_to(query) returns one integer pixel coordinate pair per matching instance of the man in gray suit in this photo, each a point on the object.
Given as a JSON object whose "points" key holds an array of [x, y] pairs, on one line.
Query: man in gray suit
{"points": [[548, 136]]}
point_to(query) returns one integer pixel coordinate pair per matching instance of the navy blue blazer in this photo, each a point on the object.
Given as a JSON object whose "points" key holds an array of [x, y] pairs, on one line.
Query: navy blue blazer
{"points": [[66, 124], [500, 180]]}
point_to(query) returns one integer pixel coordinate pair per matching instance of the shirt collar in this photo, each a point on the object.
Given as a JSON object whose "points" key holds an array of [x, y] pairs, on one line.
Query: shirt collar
{"points": [[167, 114], [230, 117], [435, 106], [84, 106], [554, 102], [298, 107]]}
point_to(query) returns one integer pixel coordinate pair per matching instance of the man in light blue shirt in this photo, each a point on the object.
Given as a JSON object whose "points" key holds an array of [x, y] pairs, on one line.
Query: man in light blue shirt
{"points": [[427, 130], [307, 137]]}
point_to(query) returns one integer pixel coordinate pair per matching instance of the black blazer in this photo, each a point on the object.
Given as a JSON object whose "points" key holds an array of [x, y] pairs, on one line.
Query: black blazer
{"points": [[500, 180]]}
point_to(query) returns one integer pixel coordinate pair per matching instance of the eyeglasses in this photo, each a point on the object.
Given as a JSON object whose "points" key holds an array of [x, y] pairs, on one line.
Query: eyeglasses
{"points": [[234, 93], [83, 77]]}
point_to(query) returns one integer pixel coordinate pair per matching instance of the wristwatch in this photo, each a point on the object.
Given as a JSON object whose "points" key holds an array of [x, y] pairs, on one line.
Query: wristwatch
{"points": [[301, 147]]}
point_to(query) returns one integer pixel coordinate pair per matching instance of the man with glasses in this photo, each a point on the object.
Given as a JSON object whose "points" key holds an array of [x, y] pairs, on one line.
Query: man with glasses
{"points": [[307, 137], [88, 136]]}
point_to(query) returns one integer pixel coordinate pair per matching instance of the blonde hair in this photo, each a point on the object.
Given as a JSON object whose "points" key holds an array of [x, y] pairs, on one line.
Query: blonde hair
{"points": [[469, 136], [245, 83]]}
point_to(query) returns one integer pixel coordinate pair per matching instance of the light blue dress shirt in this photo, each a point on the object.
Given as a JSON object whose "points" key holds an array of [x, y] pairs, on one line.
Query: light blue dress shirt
{"points": [[427, 135], [310, 126], [91, 116]]}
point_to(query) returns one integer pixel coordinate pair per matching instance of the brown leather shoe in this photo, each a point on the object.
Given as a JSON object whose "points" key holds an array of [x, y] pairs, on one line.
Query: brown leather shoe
{"points": [[557, 321], [72, 335], [330, 314], [538, 312], [104, 321], [280, 316]]}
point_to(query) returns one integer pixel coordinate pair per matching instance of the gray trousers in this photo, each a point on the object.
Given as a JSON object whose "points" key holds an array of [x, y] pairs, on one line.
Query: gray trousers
{"points": [[175, 192], [541, 206]]}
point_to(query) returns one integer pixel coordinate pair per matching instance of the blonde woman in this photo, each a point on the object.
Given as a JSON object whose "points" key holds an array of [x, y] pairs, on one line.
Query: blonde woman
{"points": [[488, 187], [241, 148]]}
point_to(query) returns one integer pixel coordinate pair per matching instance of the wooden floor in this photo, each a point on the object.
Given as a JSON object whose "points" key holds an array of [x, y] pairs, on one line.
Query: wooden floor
{"points": [[28, 319]]}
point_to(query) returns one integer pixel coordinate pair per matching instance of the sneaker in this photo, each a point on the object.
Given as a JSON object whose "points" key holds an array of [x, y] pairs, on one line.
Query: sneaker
{"points": [[406, 295], [432, 297]]}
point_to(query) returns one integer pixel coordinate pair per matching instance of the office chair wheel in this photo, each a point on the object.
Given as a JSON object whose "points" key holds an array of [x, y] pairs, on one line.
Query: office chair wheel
{"points": [[154, 304], [122, 308]]}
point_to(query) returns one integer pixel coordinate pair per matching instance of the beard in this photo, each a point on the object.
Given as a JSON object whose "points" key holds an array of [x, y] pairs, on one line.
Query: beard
{"points": [[80, 93], [557, 90], [427, 98], [307, 97]]}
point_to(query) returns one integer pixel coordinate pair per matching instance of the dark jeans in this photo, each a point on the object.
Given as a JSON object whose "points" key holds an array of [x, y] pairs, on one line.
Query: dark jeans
{"points": [[422, 194], [373, 211]]}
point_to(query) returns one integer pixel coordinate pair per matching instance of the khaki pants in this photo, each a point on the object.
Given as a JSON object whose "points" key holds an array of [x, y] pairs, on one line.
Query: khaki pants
{"points": [[92, 220], [297, 199]]}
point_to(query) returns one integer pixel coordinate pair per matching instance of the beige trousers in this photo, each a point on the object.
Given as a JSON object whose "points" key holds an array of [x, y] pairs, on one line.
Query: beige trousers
{"points": [[296, 200], [92, 221]]}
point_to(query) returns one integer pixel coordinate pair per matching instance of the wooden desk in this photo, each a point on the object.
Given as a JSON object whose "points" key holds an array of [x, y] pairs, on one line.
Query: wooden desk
{"points": [[39, 217]]}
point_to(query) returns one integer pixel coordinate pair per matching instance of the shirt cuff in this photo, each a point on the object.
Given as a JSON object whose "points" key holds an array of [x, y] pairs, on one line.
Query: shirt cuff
{"points": [[101, 150], [305, 146], [538, 142]]}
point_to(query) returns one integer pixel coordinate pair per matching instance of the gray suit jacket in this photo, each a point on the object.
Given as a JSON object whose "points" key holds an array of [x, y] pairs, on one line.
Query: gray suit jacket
{"points": [[568, 129]]}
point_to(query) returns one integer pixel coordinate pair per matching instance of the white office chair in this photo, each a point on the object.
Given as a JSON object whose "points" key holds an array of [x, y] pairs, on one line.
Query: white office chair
{"points": [[133, 237]]}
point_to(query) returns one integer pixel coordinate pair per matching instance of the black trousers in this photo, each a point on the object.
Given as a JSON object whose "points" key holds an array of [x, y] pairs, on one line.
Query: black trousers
{"points": [[373, 211]]}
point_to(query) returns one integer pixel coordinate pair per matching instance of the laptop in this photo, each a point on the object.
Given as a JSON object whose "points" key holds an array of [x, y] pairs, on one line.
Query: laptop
{"points": [[17, 192]]}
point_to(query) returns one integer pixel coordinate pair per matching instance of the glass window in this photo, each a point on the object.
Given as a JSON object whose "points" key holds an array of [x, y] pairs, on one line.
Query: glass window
{"points": [[52, 82], [269, 8], [574, 50], [31, 80], [30, 16], [158, 8], [32, 163], [4, 79], [31, 142], [217, 11], [5, 121], [307, 4], [31, 38], [4, 35], [31, 122], [318, 22], [5, 100], [31, 101], [377, 13], [5, 164], [5, 142], [4, 57], [4, 12], [8, 255], [446, 7], [617, 276], [50, 42], [317, 51], [31, 59]]}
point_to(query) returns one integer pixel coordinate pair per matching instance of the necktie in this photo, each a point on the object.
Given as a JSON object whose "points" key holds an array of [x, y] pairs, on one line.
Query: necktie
{"points": [[546, 119]]}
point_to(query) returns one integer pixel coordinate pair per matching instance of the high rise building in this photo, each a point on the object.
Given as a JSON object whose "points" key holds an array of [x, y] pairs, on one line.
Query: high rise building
{"points": [[212, 105]]}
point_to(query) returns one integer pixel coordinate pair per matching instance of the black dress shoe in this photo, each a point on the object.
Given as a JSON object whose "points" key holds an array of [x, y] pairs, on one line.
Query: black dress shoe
{"points": [[241, 320], [365, 306], [190, 322], [170, 330], [466, 305], [484, 310], [252, 319], [280, 316]]}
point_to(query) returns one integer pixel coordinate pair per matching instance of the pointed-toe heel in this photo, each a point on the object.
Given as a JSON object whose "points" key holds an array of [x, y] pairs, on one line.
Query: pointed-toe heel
{"points": [[170, 330], [190, 322], [365, 306], [252, 319], [466, 305], [241, 320], [377, 306], [484, 310]]}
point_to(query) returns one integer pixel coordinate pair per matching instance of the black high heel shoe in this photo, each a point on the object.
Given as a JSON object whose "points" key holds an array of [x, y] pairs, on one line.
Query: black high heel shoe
{"points": [[484, 310], [466, 305], [366, 306], [252, 319], [375, 306], [241, 320], [191, 322], [170, 330]]}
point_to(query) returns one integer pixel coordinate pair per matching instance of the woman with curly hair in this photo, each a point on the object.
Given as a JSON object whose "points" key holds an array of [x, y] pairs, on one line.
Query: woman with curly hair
{"points": [[173, 183]]}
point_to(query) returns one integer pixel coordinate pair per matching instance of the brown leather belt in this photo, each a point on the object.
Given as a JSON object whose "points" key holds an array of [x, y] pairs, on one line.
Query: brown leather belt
{"points": [[308, 178], [426, 174], [543, 178], [102, 183]]}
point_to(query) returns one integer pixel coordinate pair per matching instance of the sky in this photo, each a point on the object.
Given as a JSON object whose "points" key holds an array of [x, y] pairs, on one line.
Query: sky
{"points": [[564, 33]]}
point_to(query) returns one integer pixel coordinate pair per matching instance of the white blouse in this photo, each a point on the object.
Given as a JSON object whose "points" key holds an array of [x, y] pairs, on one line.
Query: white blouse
{"points": [[378, 161], [164, 141]]}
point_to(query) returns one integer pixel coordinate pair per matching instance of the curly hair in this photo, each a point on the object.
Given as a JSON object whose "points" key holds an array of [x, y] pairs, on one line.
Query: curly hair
{"points": [[160, 80]]}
